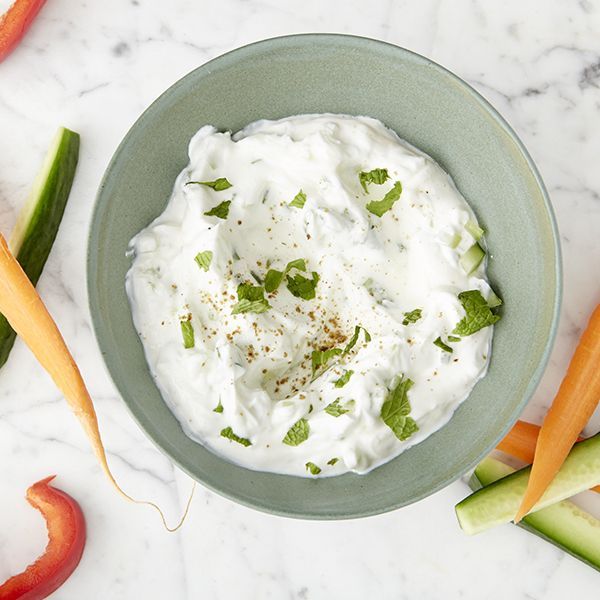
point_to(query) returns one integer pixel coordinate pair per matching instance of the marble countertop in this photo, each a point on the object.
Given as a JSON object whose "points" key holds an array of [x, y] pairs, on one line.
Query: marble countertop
{"points": [[94, 66]]}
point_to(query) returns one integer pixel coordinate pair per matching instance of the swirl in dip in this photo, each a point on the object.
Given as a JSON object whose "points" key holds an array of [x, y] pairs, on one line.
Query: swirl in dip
{"points": [[298, 298]]}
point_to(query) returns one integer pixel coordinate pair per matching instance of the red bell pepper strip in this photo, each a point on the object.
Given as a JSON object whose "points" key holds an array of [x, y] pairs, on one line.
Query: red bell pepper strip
{"points": [[66, 540], [15, 22]]}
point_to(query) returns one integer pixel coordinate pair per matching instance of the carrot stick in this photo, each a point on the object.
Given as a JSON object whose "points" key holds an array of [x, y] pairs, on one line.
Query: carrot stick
{"points": [[574, 404], [520, 442], [23, 308]]}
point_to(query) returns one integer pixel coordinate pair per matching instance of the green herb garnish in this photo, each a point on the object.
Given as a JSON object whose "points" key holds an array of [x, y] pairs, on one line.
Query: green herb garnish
{"points": [[440, 344], [299, 264], [249, 306], [478, 313], [395, 410], [320, 358], [218, 185], [301, 286], [376, 176], [412, 317], [187, 332], [344, 379], [380, 207], [218, 408], [251, 298], [299, 200], [221, 210], [332, 461], [274, 278], [297, 433], [453, 338], [335, 409], [228, 433], [204, 259], [310, 466], [354, 338]]}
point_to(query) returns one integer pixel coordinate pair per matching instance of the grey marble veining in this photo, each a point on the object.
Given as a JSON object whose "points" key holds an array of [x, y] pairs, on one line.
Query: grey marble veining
{"points": [[94, 66]]}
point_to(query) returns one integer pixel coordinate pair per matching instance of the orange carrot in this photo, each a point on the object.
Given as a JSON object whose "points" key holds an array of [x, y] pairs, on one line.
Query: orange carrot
{"points": [[520, 442], [23, 308], [574, 404]]}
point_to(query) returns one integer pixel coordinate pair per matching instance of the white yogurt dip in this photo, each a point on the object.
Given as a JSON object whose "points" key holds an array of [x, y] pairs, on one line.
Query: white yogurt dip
{"points": [[243, 384]]}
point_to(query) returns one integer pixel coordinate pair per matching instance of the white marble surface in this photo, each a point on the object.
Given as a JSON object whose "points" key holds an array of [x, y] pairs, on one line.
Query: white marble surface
{"points": [[94, 66]]}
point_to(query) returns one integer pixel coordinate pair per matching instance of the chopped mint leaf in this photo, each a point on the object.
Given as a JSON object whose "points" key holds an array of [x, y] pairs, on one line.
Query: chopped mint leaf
{"points": [[273, 280], [344, 379], [440, 344], [187, 332], [335, 409], [247, 291], [218, 185], [453, 338], [310, 466], [395, 410], [332, 461], [320, 358], [310, 409], [221, 210], [251, 306], [412, 317], [380, 207], [354, 338], [299, 200], [376, 176], [297, 433], [301, 286], [218, 408], [251, 298], [228, 433], [299, 264], [204, 259], [478, 313]]}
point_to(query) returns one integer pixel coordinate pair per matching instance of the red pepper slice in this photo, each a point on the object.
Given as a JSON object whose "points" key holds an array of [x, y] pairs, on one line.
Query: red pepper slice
{"points": [[15, 22], [66, 540]]}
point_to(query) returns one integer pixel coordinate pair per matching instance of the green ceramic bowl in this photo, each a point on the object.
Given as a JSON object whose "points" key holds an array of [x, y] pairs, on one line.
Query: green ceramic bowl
{"points": [[426, 105]]}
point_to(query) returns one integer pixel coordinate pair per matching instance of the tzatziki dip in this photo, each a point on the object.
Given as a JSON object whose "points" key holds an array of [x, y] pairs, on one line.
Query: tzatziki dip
{"points": [[313, 298]]}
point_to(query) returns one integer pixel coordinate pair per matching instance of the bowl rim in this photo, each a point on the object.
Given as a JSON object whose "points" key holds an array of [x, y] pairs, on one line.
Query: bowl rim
{"points": [[358, 42]]}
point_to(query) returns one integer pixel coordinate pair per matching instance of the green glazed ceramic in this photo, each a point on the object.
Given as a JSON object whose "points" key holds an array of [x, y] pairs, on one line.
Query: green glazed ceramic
{"points": [[432, 109]]}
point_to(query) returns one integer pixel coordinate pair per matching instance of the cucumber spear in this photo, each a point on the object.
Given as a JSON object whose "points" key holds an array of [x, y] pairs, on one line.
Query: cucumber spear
{"points": [[40, 217]]}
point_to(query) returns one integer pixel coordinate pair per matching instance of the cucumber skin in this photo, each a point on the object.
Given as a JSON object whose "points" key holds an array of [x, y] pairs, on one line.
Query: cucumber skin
{"points": [[472, 258], [563, 525], [51, 199], [498, 502]]}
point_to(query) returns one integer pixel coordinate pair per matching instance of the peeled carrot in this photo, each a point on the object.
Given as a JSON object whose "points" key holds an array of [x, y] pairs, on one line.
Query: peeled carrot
{"points": [[574, 404], [520, 442], [23, 308]]}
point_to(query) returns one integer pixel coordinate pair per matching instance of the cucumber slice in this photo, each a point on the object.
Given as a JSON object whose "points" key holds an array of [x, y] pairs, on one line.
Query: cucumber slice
{"points": [[472, 258], [455, 241], [494, 300], [474, 230], [38, 221], [563, 524], [498, 502]]}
